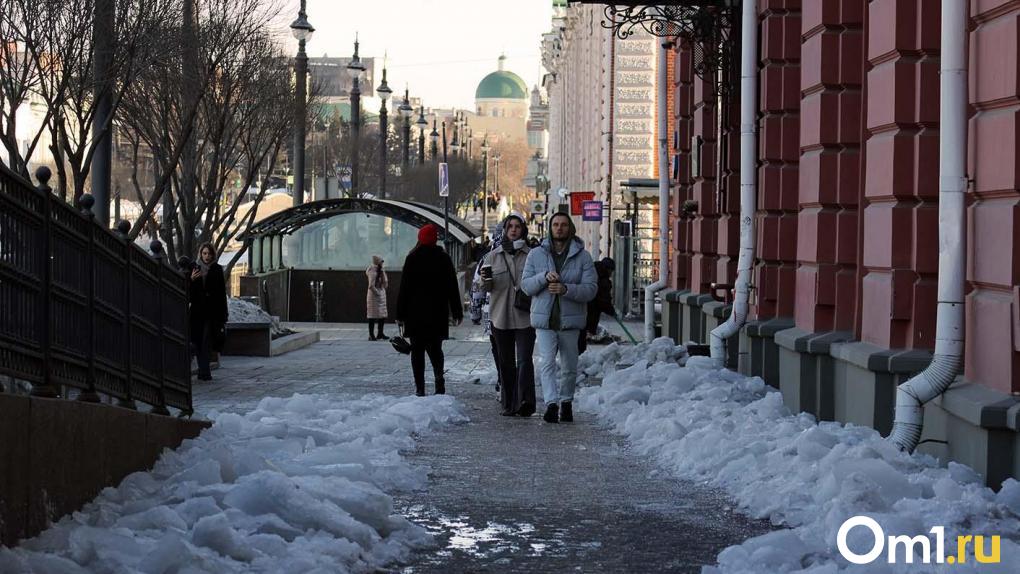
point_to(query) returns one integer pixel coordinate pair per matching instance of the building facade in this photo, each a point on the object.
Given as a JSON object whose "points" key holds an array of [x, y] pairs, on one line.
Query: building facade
{"points": [[602, 113], [844, 284]]}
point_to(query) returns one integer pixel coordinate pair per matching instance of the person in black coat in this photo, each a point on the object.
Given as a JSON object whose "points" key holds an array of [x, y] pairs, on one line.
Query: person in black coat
{"points": [[602, 303], [428, 295], [208, 306]]}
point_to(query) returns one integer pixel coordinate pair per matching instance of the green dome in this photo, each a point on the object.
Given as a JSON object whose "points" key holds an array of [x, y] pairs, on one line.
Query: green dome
{"points": [[501, 85]]}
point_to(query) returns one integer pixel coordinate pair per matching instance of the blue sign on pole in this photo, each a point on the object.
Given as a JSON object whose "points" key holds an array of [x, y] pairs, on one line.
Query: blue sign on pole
{"points": [[591, 211], [444, 180]]}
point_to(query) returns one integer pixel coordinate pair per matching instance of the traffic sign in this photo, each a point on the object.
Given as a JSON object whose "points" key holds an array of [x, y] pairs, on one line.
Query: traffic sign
{"points": [[444, 180], [537, 206]]}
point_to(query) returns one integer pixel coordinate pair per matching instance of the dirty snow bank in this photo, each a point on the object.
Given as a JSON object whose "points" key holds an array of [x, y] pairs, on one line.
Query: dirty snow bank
{"points": [[733, 432], [298, 484]]}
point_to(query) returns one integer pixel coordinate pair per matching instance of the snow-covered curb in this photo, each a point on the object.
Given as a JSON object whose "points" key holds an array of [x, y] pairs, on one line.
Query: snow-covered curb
{"points": [[734, 432], [298, 484]]}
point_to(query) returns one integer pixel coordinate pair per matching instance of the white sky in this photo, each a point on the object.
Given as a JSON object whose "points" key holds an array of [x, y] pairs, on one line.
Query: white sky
{"points": [[440, 48]]}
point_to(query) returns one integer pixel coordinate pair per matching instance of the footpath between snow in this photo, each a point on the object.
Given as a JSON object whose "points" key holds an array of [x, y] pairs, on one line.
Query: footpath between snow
{"points": [[733, 432], [297, 485]]}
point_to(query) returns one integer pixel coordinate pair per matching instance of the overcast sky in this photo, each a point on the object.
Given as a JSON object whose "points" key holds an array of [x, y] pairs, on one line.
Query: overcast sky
{"points": [[440, 48]]}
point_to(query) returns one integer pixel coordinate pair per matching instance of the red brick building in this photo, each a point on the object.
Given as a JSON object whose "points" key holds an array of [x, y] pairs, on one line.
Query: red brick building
{"points": [[844, 286]]}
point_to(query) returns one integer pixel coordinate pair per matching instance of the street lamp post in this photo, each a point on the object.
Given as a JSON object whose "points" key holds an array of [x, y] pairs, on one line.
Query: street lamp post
{"points": [[423, 125], [357, 70], [302, 31], [405, 111], [495, 178], [434, 138], [485, 185], [384, 92]]}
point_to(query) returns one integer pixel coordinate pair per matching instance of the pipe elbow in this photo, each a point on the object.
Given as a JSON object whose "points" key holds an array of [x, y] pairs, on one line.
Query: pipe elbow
{"points": [[912, 395]]}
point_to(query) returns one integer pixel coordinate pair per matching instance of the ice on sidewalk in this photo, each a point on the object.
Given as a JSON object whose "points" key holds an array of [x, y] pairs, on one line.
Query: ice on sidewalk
{"points": [[734, 432], [299, 484]]}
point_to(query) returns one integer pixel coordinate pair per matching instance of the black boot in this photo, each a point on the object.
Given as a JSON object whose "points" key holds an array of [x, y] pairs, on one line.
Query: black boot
{"points": [[566, 413], [440, 387], [419, 388], [552, 413]]}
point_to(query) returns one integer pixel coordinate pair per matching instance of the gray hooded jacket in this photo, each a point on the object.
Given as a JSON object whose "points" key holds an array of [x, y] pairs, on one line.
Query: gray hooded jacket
{"points": [[578, 275]]}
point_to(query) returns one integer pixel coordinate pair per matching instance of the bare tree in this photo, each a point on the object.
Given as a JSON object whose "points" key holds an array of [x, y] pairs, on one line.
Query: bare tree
{"points": [[51, 46], [216, 42]]}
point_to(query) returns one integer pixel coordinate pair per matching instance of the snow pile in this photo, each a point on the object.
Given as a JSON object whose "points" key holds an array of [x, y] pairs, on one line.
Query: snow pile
{"points": [[241, 311], [297, 485], [600, 362], [734, 432]]}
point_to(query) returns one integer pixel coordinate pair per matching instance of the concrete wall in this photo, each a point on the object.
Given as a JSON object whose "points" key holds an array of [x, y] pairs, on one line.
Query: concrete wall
{"points": [[56, 455]]}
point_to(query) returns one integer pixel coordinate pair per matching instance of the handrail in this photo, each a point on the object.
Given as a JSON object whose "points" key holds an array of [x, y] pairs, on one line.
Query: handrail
{"points": [[84, 307]]}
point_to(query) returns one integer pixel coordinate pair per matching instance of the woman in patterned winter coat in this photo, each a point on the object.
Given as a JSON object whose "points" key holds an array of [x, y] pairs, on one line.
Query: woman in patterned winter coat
{"points": [[375, 300], [480, 300]]}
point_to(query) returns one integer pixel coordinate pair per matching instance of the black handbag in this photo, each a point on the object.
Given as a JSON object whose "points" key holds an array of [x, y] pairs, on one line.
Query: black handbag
{"points": [[400, 344], [522, 301]]}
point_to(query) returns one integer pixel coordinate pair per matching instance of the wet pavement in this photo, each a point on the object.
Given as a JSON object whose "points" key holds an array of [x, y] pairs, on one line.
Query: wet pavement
{"points": [[507, 494]]}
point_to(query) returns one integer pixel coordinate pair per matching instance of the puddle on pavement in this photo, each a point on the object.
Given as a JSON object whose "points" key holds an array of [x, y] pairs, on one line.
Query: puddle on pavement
{"points": [[491, 541]]}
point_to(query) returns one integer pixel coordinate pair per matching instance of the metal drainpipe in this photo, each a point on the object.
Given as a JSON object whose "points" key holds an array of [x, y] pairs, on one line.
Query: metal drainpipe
{"points": [[661, 283], [949, 327], [748, 181]]}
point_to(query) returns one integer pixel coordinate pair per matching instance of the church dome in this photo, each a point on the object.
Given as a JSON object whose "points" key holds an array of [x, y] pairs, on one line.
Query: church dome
{"points": [[502, 84]]}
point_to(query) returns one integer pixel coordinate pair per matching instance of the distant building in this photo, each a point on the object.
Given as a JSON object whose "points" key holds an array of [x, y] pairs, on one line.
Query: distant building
{"points": [[330, 75], [501, 106]]}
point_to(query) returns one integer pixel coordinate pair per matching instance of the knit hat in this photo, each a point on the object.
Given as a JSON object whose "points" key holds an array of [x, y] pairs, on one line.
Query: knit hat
{"points": [[428, 235]]}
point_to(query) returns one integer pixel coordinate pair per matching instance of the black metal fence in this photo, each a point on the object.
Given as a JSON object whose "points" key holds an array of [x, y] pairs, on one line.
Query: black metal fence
{"points": [[83, 307]]}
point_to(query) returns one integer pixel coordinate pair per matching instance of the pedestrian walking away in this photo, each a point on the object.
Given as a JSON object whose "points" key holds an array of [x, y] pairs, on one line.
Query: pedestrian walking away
{"points": [[207, 305], [560, 277], [428, 296], [602, 303], [509, 311], [375, 300]]}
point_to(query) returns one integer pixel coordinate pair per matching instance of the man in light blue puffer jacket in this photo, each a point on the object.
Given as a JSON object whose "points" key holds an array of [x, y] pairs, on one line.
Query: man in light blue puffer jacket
{"points": [[560, 277]]}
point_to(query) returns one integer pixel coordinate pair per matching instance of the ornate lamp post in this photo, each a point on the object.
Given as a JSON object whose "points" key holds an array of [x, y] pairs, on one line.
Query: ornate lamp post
{"points": [[455, 144], [302, 32], [434, 138], [405, 112], [384, 92], [423, 125], [357, 70]]}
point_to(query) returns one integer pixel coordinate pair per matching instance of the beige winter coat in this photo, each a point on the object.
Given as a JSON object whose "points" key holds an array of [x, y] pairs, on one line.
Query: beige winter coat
{"points": [[502, 312], [376, 298]]}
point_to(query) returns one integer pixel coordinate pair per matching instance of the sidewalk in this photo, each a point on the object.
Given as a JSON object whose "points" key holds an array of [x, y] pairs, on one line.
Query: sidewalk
{"points": [[506, 494]]}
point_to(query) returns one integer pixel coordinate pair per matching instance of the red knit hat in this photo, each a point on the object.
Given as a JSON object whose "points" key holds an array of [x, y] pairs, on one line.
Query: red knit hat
{"points": [[428, 235]]}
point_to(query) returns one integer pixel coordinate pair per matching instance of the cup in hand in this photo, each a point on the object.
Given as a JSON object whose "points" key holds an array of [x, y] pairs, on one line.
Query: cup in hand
{"points": [[486, 272]]}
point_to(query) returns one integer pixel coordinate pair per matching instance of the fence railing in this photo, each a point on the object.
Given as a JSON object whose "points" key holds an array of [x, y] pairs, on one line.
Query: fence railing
{"points": [[83, 307]]}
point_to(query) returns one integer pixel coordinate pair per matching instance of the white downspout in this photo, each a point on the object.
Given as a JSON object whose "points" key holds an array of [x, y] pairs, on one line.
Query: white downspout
{"points": [[663, 109], [949, 327], [605, 176], [748, 179]]}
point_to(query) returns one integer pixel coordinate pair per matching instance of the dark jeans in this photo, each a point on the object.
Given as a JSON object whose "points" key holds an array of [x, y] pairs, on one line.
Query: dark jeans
{"points": [[434, 347], [371, 328], [515, 348], [201, 338]]}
